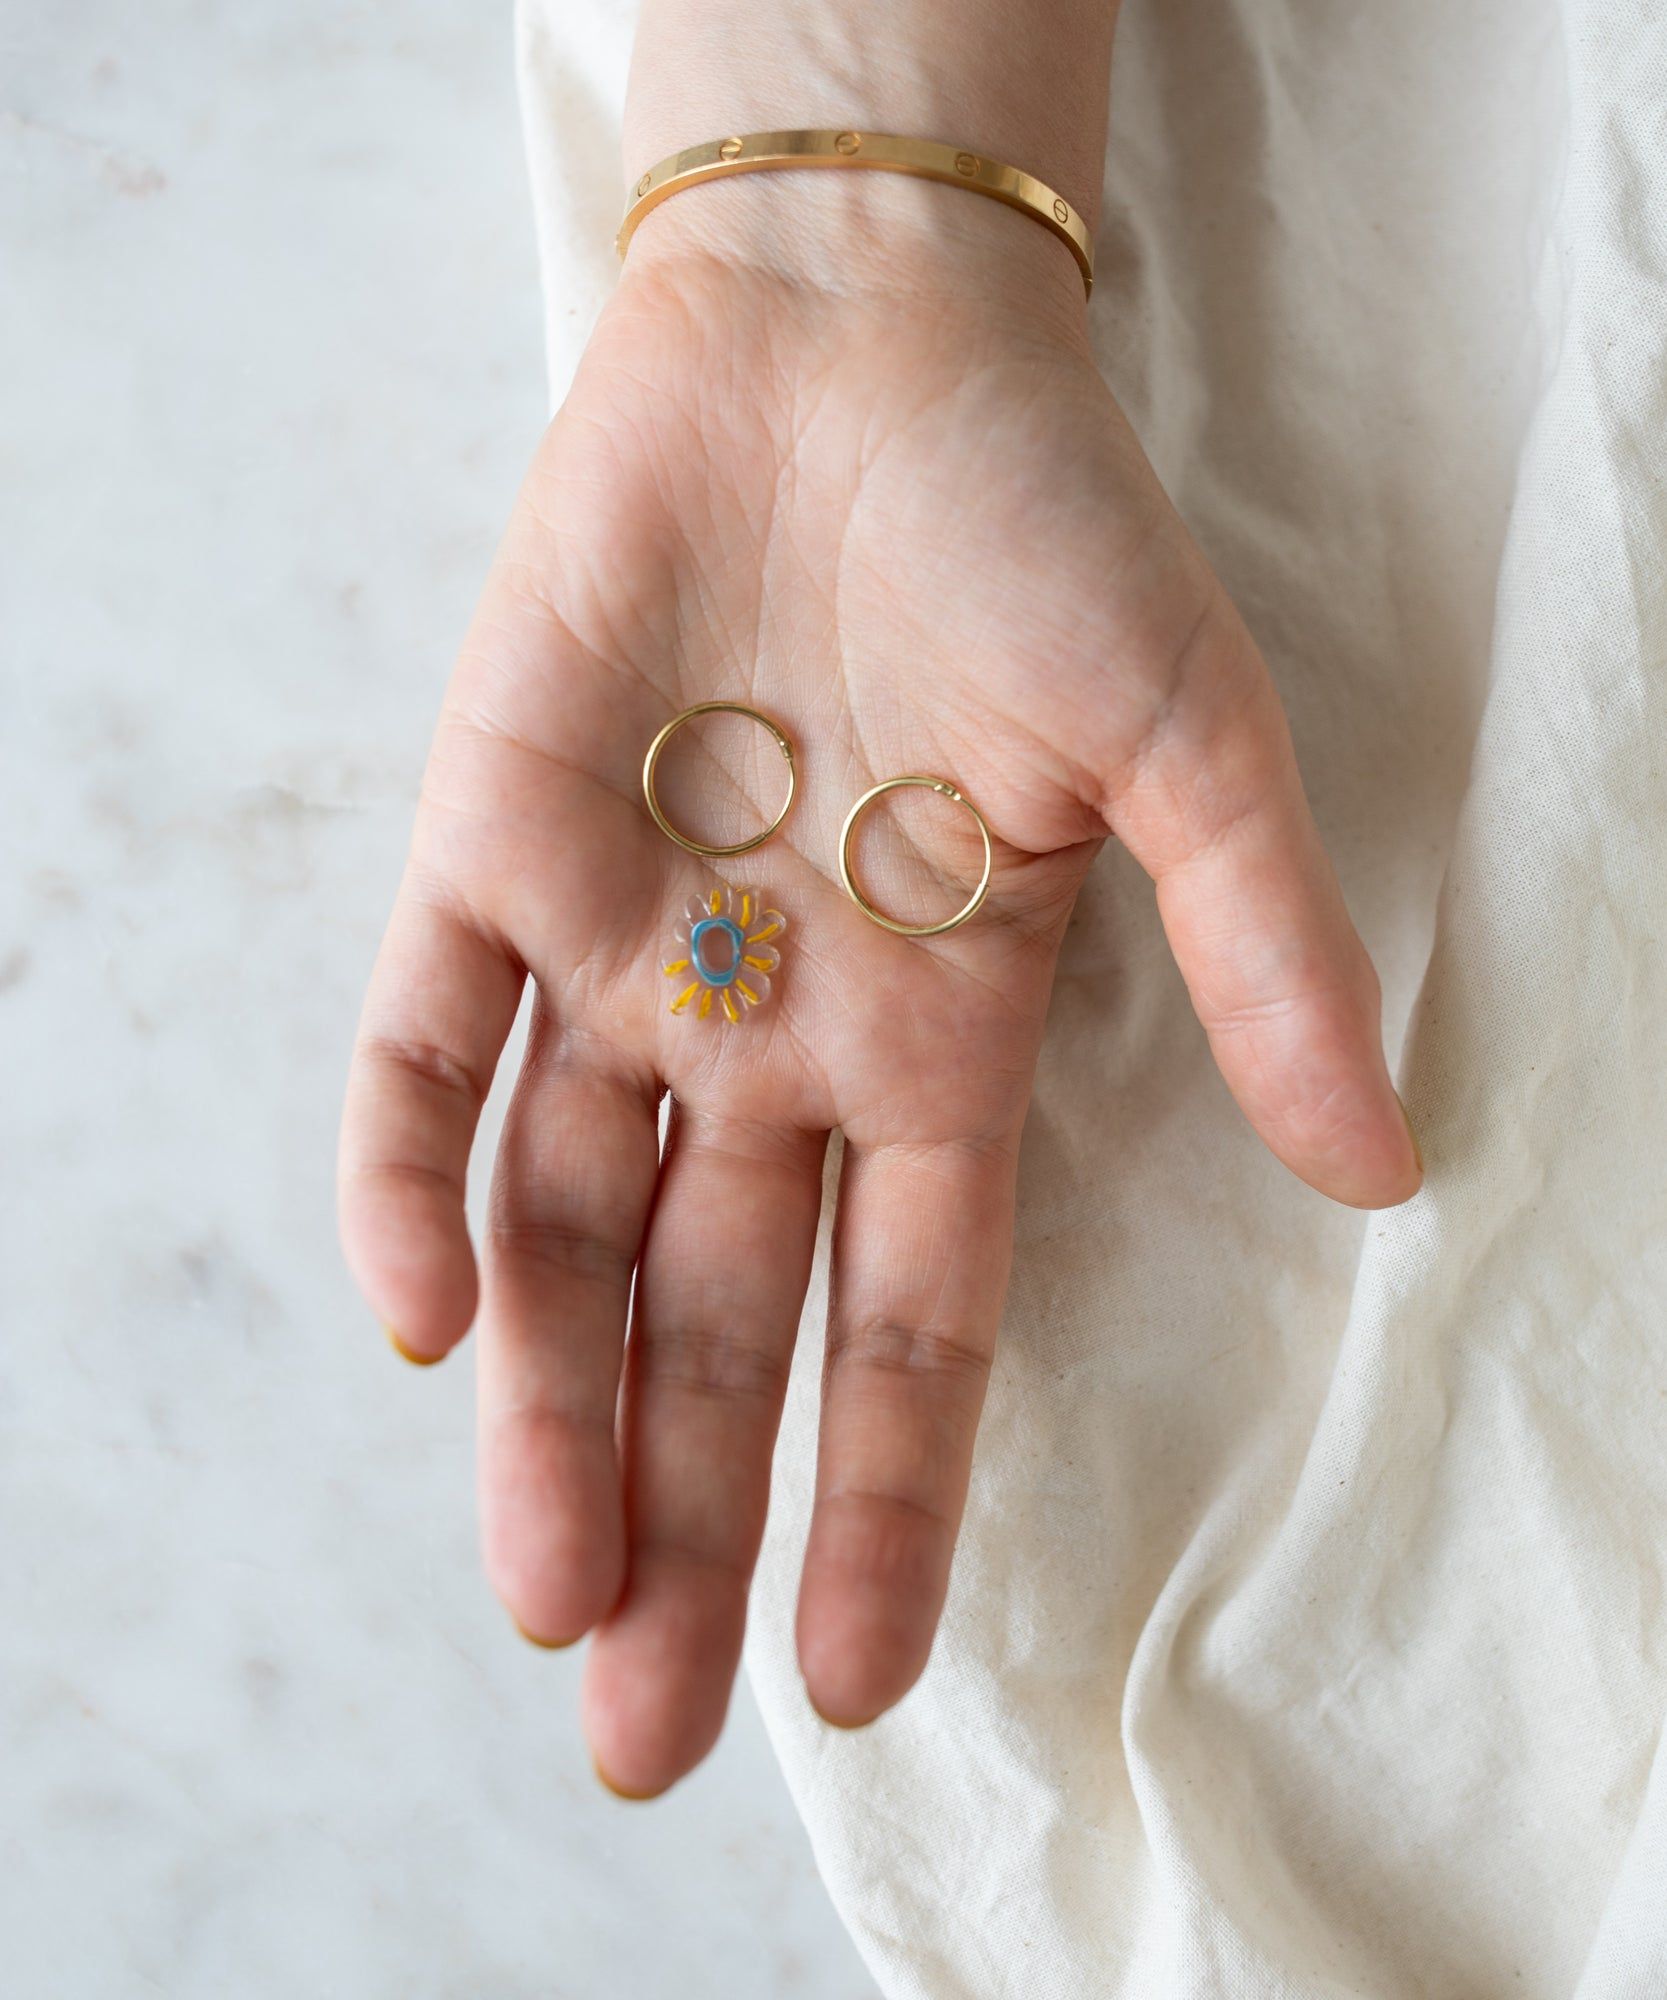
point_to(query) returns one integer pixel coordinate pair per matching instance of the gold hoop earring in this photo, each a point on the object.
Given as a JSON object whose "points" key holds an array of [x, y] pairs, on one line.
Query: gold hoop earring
{"points": [[651, 761], [846, 875]]}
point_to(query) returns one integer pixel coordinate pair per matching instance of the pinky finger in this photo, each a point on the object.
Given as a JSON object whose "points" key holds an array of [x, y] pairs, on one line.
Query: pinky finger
{"points": [[441, 1003]]}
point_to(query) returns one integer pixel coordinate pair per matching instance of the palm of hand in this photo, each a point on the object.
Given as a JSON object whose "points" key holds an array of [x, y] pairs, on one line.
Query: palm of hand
{"points": [[917, 552]]}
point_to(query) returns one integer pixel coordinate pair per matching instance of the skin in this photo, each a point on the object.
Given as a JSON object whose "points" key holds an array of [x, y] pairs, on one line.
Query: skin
{"points": [[875, 487]]}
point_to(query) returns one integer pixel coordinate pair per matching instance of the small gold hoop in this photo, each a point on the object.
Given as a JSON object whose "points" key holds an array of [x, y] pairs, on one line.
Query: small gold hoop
{"points": [[849, 879], [665, 736]]}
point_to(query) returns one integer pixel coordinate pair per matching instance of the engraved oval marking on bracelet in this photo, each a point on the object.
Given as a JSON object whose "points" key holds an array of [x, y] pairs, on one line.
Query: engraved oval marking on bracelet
{"points": [[1061, 212], [730, 150], [966, 163], [847, 143], [644, 185]]}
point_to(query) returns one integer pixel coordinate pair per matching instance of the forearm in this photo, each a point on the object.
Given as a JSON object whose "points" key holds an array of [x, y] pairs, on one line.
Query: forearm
{"points": [[1021, 81]]}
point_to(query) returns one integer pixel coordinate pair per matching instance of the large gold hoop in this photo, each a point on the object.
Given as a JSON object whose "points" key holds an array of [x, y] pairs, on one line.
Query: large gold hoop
{"points": [[652, 759], [849, 879]]}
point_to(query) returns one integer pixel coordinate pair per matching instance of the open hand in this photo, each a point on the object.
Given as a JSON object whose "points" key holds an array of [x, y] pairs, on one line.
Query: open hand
{"points": [[922, 539]]}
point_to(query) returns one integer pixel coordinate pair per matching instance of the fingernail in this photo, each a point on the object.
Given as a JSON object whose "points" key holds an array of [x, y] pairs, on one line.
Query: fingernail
{"points": [[543, 1645], [1417, 1150], [834, 1722], [405, 1354], [619, 1791]]}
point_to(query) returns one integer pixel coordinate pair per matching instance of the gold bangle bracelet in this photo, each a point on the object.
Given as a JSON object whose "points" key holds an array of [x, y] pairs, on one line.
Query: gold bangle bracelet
{"points": [[924, 159]]}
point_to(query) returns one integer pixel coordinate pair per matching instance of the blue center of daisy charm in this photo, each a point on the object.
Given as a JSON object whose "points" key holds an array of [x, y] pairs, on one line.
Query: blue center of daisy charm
{"points": [[726, 953], [709, 931]]}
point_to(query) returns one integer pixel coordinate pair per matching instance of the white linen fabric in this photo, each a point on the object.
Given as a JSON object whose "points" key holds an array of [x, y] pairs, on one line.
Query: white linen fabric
{"points": [[1308, 1634]]}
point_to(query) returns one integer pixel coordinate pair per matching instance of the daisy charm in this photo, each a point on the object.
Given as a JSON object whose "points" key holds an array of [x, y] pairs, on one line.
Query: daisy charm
{"points": [[725, 954]]}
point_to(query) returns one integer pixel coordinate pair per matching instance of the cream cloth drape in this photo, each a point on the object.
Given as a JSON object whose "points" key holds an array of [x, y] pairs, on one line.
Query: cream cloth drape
{"points": [[1309, 1631]]}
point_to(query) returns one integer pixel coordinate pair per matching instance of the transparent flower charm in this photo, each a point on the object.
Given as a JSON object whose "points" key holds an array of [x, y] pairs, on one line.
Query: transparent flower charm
{"points": [[726, 951]]}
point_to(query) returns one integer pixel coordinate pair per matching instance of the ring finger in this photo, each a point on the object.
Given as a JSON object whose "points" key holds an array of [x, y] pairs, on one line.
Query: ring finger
{"points": [[719, 1293]]}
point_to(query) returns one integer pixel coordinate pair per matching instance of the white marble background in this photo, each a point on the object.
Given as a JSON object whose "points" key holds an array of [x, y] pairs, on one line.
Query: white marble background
{"points": [[269, 367]]}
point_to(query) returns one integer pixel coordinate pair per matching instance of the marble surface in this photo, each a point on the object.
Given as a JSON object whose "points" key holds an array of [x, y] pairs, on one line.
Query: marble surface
{"points": [[269, 367]]}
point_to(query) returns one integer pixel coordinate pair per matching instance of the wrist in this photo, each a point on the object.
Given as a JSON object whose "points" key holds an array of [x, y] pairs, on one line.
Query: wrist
{"points": [[1023, 82], [860, 234]]}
